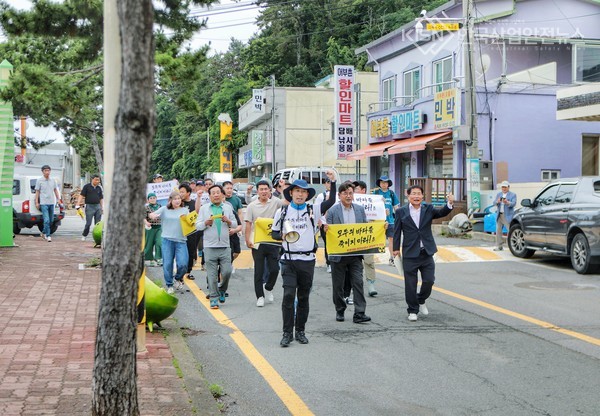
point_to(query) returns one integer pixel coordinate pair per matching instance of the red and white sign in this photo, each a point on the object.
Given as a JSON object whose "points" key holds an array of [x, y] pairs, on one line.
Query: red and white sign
{"points": [[344, 110]]}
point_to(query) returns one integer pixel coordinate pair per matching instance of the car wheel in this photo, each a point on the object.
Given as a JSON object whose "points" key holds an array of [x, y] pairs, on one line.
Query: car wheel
{"points": [[581, 257], [16, 229], [516, 242]]}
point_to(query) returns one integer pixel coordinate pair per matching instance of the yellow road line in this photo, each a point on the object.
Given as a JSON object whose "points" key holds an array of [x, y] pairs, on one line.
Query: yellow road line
{"points": [[484, 254], [288, 396], [447, 255], [529, 319]]}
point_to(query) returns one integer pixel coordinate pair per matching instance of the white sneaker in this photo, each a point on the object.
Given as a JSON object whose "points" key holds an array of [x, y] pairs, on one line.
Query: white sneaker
{"points": [[412, 317], [328, 268], [260, 302], [178, 284], [423, 309], [269, 296], [170, 290], [83, 238], [232, 270], [49, 239]]}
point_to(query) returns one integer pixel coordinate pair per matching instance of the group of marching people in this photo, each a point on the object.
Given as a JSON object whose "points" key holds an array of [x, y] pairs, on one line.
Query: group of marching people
{"points": [[219, 226]]}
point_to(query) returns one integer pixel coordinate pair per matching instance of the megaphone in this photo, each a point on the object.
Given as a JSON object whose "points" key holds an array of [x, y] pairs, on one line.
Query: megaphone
{"points": [[289, 234]]}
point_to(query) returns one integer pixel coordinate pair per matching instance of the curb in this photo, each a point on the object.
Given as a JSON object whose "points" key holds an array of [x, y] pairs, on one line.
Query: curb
{"points": [[203, 403]]}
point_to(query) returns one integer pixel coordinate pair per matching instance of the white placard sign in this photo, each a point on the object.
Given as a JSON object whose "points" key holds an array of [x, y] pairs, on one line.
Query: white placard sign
{"points": [[162, 189], [373, 204]]}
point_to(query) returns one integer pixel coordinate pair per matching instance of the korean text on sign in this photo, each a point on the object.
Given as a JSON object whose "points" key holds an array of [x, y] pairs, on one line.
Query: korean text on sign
{"points": [[344, 106]]}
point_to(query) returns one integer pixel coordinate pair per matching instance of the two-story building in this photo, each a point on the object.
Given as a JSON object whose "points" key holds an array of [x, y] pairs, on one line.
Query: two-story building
{"points": [[301, 119], [523, 53]]}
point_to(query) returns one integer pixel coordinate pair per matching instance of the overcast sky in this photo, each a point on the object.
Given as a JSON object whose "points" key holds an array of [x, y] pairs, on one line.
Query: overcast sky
{"points": [[225, 20]]}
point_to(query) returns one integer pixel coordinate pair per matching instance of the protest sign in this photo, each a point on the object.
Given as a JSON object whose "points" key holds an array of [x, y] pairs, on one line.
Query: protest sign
{"points": [[162, 189], [262, 231], [356, 239], [374, 206], [188, 223]]}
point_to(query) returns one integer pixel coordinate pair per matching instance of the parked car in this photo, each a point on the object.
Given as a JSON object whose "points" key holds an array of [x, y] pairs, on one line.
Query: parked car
{"points": [[563, 219], [27, 214], [240, 189]]}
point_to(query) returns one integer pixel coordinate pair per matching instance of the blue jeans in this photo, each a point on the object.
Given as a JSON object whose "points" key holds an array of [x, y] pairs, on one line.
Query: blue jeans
{"points": [[174, 250], [48, 215]]}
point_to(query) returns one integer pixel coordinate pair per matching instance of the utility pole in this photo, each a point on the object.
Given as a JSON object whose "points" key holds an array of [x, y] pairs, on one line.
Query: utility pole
{"points": [[273, 126], [472, 149]]}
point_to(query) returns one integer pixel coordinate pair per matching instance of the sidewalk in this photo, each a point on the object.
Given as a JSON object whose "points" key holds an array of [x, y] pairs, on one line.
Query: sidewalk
{"points": [[48, 311]]}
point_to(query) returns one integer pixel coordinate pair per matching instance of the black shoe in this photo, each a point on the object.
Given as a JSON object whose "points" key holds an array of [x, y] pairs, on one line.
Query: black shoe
{"points": [[301, 337], [359, 318], [191, 277], [287, 338], [339, 316]]}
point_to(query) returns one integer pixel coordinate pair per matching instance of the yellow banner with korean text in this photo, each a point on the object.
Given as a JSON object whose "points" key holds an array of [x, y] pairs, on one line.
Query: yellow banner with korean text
{"points": [[356, 239], [262, 231]]}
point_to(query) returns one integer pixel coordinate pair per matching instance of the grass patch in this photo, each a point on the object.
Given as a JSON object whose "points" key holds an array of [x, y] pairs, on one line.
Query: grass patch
{"points": [[216, 390], [177, 368], [94, 262]]}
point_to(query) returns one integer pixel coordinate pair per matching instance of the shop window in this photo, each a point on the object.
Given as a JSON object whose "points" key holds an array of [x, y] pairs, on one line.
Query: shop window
{"points": [[589, 155], [586, 63]]}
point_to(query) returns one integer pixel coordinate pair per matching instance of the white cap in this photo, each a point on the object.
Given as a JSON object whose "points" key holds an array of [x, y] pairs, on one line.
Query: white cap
{"points": [[505, 183]]}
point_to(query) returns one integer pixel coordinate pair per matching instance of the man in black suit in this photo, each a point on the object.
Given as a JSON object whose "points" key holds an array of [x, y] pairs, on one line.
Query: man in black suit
{"points": [[418, 247]]}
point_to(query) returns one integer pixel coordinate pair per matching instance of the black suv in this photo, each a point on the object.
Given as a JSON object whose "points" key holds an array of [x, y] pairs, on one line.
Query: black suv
{"points": [[563, 219]]}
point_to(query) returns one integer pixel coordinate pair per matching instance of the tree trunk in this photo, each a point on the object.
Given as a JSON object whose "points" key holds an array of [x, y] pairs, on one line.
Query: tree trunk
{"points": [[114, 378], [98, 154]]}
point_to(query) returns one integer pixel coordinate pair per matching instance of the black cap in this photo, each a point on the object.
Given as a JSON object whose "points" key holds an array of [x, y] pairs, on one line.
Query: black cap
{"points": [[156, 175]]}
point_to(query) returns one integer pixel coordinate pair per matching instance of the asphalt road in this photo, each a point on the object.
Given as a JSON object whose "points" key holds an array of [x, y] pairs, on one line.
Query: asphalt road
{"points": [[504, 337]]}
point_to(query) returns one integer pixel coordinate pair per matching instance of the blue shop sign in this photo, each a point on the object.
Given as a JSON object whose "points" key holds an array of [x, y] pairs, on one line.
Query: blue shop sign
{"points": [[406, 121]]}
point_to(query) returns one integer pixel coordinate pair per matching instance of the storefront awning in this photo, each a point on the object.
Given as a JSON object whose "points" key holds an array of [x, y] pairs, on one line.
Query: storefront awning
{"points": [[416, 143], [371, 150]]}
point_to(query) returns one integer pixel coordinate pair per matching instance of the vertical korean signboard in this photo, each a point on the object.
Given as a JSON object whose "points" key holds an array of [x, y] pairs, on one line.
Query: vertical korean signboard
{"points": [[446, 109], [258, 104], [258, 147], [226, 125], [344, 106]]}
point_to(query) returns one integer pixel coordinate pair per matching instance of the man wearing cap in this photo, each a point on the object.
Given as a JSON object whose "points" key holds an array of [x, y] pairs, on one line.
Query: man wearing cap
{"points": [[264, 255], [46, 189], [157, 178], [297, 258], [392, 202], [153, 240], [505, 204], [347, 212], [93, 196]]}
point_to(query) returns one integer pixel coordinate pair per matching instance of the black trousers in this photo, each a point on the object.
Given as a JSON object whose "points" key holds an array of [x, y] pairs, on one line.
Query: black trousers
{"points": [[322, 230], [297, 278], [425, 264], [352, 267], [192, 248], [265, 257]]}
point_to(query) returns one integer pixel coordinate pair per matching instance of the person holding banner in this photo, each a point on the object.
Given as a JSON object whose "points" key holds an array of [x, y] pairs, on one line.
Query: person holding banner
{"points": [[346, 212], [216, 219], [383, 188], [360, 187], [418, 247], [264, 255], [173, 241], [295, 225]]}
